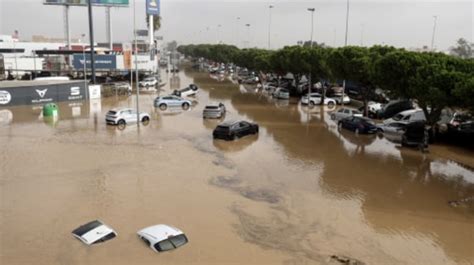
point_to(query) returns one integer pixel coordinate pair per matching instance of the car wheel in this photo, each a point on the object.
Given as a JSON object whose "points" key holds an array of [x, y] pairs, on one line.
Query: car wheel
{"points": [[146, 120], [121, 122], [163, 106], [330, 104], [404, 140], [185, 106], [311, 103]]}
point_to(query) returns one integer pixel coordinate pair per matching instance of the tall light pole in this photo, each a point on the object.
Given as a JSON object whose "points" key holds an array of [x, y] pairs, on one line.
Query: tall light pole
{"points": [[136, 59], [435, 18], [218, 31], [248, 35], [345, 44], [347, 23], [237, 31], [91, 34], [311, 46], [269, 24]]}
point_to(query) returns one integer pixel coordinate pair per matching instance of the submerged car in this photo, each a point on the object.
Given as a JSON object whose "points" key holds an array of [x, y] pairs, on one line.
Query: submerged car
{"points": [[191, 90], [94, 232], [233, 130], [315, 99], [148, 82], [171, 101], [125, 116], [407, 116], [163, 237], [281, 93], [214, 111], [343, 113], [415, 134], [358, 125], [392, 108], [341, 99]]}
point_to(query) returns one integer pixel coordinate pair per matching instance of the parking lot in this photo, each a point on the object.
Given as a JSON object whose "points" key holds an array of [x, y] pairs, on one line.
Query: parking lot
{"points": [[298, 192]]}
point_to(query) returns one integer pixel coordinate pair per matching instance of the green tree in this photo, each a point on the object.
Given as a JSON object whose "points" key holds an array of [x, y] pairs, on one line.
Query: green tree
{"points": [[463, 49]]}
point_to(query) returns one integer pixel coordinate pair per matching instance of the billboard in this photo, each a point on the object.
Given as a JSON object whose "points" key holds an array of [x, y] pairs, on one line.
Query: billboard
{"points": [[27, 94], [153, 7], [100, 61], [84, 2]]}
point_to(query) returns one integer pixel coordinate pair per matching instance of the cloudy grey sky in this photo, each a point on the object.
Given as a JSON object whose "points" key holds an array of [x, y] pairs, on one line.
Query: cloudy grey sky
{"points": [[400, 23]]}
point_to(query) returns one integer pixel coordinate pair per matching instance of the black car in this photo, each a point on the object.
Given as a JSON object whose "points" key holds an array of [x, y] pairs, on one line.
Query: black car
{"points": [[415, 134], [358, 124], [393, 107], [234, 129]]}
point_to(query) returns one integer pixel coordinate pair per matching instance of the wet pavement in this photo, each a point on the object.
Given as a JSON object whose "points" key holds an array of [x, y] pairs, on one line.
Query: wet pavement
{"points": [[299, 192]]}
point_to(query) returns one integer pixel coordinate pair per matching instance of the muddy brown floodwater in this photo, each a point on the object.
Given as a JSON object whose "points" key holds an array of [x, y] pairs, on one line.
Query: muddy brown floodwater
{"points": [[301, 192]]}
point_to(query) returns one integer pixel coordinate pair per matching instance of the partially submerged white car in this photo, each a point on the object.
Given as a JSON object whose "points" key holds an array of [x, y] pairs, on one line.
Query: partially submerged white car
{"points": [[125, 116], [163, 237], [94, 232]]}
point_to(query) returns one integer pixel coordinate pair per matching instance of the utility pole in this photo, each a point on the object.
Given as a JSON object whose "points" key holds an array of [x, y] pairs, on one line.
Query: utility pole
{"points": [[311, 46], [248, 35], [108, 16], [67, 29], [269, 25], [91, 34], [434, 31], [237, 31], [136, 59], [345, 44]]}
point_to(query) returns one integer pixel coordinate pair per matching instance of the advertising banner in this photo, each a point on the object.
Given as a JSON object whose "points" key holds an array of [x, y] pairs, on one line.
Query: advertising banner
{"points": [[84, 2], [100, 61], [153, 7], [42, 93]]}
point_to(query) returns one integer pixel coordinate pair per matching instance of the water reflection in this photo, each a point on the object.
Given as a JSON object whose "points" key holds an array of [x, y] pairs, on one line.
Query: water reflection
{"points": [[236, 145]]}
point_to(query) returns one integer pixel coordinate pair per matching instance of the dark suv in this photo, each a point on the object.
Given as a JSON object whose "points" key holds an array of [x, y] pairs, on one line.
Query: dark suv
{"points": [[234, 129], [393, 107]]}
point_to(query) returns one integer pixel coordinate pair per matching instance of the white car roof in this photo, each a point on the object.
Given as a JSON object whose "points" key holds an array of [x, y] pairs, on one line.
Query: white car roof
{"points": [[410, 111], [157, 233], [122, 109], [94, 234]]}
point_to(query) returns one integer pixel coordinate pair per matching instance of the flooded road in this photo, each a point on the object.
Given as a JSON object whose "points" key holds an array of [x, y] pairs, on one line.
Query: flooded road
{"points": [[298, 193]]}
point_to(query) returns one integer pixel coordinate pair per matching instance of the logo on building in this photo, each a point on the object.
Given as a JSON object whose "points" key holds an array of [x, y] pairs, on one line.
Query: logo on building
{"points": [[41, 93], [5, 97], [75, 91]]}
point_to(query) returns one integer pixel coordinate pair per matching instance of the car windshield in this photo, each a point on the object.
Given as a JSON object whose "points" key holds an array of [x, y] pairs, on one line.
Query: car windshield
{"points": [[223, 128], [398, 117], [212, 107], [164, 245], [368, 121], [179, 240], [112, 112]]}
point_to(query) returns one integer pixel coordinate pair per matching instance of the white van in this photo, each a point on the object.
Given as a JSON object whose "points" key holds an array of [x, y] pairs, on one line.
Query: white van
{"points": [[407, 116]]}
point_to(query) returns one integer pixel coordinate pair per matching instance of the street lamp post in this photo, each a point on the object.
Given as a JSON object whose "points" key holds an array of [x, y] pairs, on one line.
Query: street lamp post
{"points": [[136, 60], [248, 35], [237, 31], [311, 46], [435, 18], [269, 24], [345, 44], [91, 34]]}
